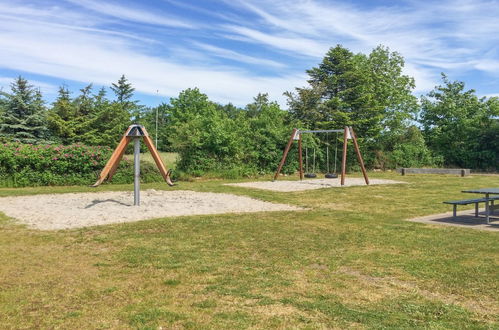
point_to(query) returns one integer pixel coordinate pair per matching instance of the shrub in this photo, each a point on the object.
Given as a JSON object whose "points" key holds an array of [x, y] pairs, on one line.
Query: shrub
{"points": [[40, 165]]}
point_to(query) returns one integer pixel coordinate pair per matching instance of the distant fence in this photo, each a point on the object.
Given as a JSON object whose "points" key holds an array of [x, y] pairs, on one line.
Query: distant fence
{"points": [[456, 171]]}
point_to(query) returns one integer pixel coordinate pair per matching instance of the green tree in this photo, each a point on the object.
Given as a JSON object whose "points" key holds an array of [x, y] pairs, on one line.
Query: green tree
{"points": [[267, 131], [105, 125], [123, 91], [25, 114], [205, 137], [410, 150], [457, 125], [60, 118], [3, 103], [367, 92], [149, 121]]}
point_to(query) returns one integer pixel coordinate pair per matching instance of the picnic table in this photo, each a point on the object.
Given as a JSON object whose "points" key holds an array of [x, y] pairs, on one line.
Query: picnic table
{"points": [[487, 192]]}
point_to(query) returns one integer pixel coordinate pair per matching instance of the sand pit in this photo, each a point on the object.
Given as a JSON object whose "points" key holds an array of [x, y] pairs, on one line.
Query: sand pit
{"points": [[63, 211], [289, 186]]}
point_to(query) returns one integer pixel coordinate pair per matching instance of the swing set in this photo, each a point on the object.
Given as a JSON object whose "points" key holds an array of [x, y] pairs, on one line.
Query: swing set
{"points": [[348, 134]]}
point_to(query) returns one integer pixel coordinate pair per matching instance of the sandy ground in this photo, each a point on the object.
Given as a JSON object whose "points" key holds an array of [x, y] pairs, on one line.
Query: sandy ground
{"points": [[288, 186], [464, 219], [63, 211]]}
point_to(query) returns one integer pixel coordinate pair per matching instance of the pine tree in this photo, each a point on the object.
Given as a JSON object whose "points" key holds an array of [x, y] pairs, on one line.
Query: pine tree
{"points": [[123, 90], [61, 116], [124, 93], [25, 115]]}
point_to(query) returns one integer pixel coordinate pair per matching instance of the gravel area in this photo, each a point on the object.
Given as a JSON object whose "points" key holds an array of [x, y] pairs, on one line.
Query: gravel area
{"points": [[63, 211], [289, 186]]}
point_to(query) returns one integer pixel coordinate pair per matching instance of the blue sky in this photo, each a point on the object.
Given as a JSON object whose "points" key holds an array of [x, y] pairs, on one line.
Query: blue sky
{"points": [[234, 49]]}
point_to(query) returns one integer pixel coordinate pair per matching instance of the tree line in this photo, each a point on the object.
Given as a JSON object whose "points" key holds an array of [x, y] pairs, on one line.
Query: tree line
{"points": [[449, 126]]}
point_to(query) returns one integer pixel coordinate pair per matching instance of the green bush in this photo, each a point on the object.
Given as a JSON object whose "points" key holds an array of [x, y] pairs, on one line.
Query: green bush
{"points": [[24, 165]]}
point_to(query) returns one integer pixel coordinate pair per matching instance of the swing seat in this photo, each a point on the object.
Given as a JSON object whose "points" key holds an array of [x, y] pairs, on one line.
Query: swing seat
{"points": [[331, 175], [310, 175]]}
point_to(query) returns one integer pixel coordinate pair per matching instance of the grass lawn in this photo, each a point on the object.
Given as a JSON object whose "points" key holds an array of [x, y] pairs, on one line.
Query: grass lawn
{"points": [[169, 158], [350, 260]]}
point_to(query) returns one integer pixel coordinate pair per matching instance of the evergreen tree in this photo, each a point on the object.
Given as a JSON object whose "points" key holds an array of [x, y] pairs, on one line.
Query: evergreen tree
{"points": [[61, 117], [84, 102], [367, 92], [124, 93], [3, 103], [106, 122], [347, 89], [123, 90], [25, 115], [106, 125]]}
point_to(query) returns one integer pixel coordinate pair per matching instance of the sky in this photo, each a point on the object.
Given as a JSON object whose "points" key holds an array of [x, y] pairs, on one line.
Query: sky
{"points": [[234, 49]]}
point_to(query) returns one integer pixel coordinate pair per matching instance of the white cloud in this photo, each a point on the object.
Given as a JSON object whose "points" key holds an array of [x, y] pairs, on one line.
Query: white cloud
{"points": [[101, 58], [80, 45], [446, 36], [132, 14], [235, 56]]}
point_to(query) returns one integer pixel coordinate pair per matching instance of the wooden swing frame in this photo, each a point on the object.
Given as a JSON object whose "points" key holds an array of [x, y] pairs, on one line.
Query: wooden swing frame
{"points": [[132, 132], [348, 134]]}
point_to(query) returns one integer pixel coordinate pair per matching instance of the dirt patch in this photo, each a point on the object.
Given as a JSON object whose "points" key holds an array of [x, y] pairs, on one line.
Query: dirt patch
{"points": [[289, 186], [63, 211]]}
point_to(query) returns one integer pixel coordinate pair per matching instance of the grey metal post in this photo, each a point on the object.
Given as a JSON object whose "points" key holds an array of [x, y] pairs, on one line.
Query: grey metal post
{"points": [[487, 209], [136, 167]]}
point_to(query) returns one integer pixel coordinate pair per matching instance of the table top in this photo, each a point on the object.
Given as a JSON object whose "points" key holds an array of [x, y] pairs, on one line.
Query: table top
{"points": [[483, 191]]}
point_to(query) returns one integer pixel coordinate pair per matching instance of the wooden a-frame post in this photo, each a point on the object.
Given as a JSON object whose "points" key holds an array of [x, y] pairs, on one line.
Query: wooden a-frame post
{"points": [[359, 156], [285, 154], [133, 132], [344, 157], [348, 133]]}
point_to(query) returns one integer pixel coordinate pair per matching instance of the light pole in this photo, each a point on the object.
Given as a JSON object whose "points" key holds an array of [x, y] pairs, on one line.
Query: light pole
{"points": [[157, 109]]}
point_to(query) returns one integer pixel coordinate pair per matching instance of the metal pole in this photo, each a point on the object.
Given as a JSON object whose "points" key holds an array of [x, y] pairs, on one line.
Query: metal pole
{"points": [[157, 109], [136, 162]]}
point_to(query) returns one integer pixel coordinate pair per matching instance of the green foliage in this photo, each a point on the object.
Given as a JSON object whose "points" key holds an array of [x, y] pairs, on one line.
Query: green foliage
{"points": [[223, 139], [60, 117], [461, 127], [24, 115], [124, 93], [161, 131], [105, 125], [38, 165], [268, 131], [369, 93], [204, 136], [411, 151]]}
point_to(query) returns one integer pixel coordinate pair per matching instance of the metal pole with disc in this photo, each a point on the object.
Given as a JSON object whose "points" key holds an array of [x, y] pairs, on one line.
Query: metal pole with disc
{"points": [[136, 168]]}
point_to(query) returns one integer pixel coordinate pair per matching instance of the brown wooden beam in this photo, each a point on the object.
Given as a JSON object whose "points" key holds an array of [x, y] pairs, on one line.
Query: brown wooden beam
{"points": [[344, 158], [285, 154], [157, 159], [359, 156], [118, 160], [114, 160], [300, 157]]}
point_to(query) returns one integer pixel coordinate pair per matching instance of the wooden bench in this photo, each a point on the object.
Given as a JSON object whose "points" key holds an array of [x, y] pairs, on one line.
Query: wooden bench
{"points": [[471, 201]]}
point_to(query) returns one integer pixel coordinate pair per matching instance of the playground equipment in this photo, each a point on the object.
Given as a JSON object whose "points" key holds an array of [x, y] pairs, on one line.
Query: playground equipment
{"points": [[348, 134], [135, 132], [328, 174]]}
